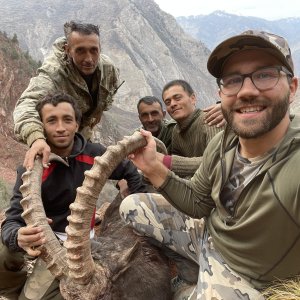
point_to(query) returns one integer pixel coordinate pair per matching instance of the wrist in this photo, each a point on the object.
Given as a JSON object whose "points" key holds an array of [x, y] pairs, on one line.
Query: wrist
{"points": [[156, 174], [34, 137]]}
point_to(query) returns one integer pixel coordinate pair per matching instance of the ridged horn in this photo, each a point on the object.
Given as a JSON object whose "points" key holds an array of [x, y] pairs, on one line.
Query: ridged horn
{"points": [[80, 262], [34, 215]]}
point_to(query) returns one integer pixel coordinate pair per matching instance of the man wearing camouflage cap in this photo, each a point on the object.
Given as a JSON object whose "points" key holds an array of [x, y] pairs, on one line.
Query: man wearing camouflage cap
{"points": [[247, 188]]}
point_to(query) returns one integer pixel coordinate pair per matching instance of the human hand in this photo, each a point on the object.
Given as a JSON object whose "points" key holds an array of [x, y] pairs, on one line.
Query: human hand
{"points": [[123, 187], [214, 115], [160, 157], [29, 238], [39, 147], [145, 158]]}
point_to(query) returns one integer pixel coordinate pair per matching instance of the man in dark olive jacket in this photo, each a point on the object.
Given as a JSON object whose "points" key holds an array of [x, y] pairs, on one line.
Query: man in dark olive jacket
{"points": [[73, 156]]}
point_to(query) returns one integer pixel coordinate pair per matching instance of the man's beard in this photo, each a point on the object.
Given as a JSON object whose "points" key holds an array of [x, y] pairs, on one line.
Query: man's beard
{"points": [[255, 128]]}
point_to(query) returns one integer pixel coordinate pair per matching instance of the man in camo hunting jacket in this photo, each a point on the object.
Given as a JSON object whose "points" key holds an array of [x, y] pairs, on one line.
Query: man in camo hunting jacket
{"points": [[75, 67]]}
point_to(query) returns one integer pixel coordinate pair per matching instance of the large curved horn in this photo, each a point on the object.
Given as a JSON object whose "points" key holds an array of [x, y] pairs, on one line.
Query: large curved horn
{"points": [[80, 262], [79, 277], [34, 215]]}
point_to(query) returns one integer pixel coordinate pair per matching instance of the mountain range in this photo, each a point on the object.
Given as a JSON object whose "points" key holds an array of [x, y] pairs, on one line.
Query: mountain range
{"points": [[213, 28], [147, 45]]}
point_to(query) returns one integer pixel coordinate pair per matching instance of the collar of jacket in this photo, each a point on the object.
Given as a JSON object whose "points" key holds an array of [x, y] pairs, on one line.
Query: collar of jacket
{"points": [[185, 124]]}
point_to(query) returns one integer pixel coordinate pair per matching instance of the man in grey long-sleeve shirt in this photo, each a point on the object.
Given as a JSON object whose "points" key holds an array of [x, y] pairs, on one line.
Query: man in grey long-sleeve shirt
{"points": [[243, 183]]}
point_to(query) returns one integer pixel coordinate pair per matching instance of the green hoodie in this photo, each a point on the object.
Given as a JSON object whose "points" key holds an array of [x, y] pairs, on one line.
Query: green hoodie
{"points": [[261, 240], [58, 74]]}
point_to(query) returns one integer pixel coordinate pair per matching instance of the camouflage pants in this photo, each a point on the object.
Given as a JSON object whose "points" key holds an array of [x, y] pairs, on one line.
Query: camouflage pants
{"points": [[152, 216]]}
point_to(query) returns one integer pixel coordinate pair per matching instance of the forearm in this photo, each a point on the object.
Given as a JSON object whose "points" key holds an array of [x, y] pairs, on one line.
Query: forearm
{"points": [[126, 170], [181, 193], [185, 166], [134, 181], [9, 233], [13, 219], [28, 126]]}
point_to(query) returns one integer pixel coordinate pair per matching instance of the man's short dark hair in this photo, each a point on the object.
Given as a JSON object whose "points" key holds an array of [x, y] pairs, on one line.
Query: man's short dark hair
{"points": [[83, 28], [149, 100], [185, 85], [55, 99]]}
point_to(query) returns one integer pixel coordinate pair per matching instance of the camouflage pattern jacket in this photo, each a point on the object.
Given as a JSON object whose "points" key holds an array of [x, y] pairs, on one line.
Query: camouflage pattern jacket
{"points": [[261, 239], [59, 74]]}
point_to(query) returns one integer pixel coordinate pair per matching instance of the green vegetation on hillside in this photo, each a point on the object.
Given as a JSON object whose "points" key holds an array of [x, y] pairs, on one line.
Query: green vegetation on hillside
{"points": [[11, 49]]}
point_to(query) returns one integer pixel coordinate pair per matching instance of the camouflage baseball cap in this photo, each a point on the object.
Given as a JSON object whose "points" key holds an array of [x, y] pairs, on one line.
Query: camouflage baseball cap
{"points": [[250, 39]]}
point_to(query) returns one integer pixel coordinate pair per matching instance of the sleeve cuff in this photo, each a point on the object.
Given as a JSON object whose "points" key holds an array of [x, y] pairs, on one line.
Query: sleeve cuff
{"points": [[167, 161], [13, 242], [34, 136], [185, 166]]}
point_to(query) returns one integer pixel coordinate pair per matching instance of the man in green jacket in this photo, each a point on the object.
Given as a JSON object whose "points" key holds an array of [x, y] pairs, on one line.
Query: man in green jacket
{"points": [[152, 116], [246, 188], [77, 68]]}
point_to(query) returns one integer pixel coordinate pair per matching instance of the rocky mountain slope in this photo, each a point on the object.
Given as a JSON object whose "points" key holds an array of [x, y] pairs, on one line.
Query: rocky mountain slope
{"points": [[215, 27], [17, 67], [16, 70], [148, 45]]}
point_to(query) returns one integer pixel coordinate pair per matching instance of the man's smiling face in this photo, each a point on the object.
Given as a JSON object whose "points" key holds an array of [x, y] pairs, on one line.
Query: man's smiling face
{"points": [[251, 112], [179, 104]]}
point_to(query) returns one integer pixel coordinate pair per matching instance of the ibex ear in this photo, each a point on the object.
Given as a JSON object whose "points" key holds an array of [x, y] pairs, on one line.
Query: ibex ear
{"points": [[124, 261]]}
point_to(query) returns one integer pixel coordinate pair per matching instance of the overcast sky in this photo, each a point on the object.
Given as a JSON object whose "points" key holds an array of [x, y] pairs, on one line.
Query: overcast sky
{"points": [[266, 9]]}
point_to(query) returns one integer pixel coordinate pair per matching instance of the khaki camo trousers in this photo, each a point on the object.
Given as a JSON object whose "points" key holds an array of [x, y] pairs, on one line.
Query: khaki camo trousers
{"points": [[13, 277], [152, 216]]}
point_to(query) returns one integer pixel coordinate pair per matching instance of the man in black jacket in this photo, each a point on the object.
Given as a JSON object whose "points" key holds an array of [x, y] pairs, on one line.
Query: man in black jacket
{"points": [[74, 155]]}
